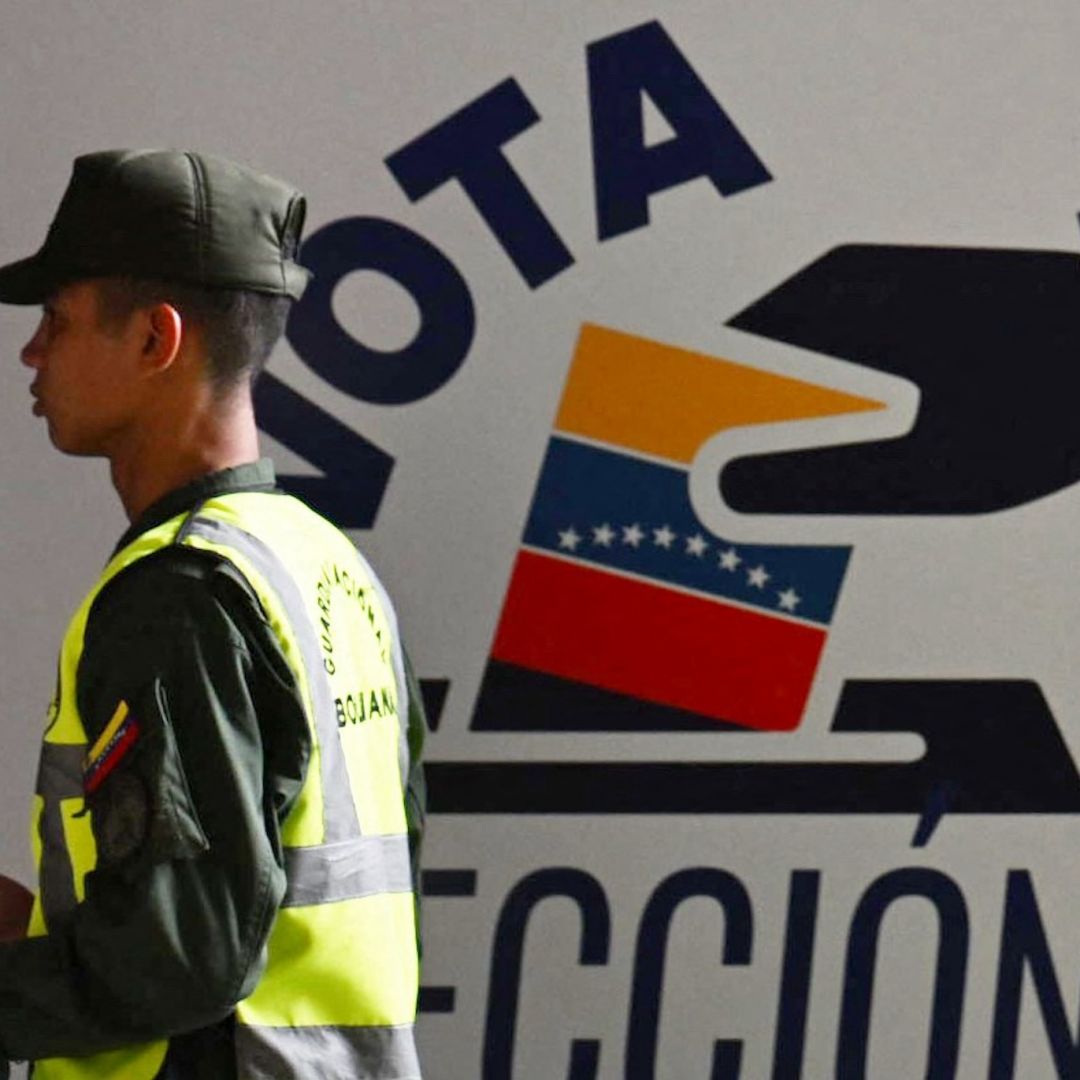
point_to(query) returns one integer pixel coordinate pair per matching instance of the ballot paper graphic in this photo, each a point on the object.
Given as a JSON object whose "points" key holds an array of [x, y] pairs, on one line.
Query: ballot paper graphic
{"points": [[624, 611]]}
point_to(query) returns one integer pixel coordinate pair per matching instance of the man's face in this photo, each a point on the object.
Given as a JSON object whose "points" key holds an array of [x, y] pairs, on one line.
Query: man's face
{"points": [[85, 384]]}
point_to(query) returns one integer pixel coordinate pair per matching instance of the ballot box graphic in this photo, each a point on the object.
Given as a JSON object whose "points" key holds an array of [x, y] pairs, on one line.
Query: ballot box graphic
{"points": [[623, 610]]}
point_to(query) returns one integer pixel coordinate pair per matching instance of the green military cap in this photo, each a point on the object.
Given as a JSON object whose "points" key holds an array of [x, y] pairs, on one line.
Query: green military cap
{"points": [[167, 214]]}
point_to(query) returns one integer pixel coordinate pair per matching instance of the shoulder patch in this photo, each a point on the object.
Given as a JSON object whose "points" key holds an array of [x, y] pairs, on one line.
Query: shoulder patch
{"points": [[120, 735]]}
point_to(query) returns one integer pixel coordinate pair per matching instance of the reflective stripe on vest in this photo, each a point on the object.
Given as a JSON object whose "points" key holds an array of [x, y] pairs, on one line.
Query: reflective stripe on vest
{"points": [[271, 1053], [339, 987], [347, 870], [60, 780], [339, 817]]}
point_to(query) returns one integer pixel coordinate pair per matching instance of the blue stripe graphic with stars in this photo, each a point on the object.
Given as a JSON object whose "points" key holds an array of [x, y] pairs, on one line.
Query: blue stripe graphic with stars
{"points": [[628, 514]]}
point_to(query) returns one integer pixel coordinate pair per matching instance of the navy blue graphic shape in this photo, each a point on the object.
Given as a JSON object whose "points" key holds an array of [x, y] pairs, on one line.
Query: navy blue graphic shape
{"points": [[950, 970], [507, 957], [447, 315], [436, 999], [355, 471], [434, 692], [992, 339], [937, 803], [646, 61], [994, 743], [448, 882], [1025, 949], [468, 147], [650, 954], [515, 698], [445, 884]]}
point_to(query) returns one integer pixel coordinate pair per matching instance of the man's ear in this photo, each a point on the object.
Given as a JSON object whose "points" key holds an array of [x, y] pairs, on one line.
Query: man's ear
{"points": [[164, 333]]}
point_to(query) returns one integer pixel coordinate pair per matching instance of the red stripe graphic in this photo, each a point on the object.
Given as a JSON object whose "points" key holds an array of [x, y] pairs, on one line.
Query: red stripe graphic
{"points": [[634, 638], [125, 739]]}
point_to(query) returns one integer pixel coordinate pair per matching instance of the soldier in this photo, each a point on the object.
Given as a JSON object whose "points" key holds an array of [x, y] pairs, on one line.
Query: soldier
{"points": [[225, 887]]}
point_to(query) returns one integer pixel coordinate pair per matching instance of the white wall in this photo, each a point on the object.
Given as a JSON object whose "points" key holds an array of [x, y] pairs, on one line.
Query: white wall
{"points": [[917, 124]]}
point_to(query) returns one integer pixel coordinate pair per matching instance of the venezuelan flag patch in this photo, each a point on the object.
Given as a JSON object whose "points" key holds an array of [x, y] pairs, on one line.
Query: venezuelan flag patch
{"points": [[120, 735]]}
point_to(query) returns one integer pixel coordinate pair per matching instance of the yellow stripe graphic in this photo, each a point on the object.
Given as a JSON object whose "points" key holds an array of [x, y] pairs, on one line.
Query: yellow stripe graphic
{"points": [[664, 401], [111, 728]]}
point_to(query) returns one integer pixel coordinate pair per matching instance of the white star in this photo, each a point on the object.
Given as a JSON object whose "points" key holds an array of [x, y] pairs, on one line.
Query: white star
{"points": [[569, 539], [757, 577], [603, 535], [730, 559], [632, 534], [696, 545], [789, 599], [663, 536]]}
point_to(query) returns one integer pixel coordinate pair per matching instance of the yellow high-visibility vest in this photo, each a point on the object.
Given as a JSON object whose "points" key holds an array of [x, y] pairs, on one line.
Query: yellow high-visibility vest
{"points": [[338, 996]]}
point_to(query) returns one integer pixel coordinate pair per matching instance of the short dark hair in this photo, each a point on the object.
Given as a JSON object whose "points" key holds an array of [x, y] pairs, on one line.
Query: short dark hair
{"points": [[239, 327]]}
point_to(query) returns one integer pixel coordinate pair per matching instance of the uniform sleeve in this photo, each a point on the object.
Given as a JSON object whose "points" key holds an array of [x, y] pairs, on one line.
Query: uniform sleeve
{"points": [[198, 748], [415, 787]]}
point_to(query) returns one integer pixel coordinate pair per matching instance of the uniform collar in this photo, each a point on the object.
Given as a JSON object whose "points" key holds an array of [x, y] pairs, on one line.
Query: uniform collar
{"points": [[252, 476]]}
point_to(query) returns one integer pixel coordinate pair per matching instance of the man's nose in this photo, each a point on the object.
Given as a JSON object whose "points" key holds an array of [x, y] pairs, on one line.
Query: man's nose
{"points": [[33, 351]]}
